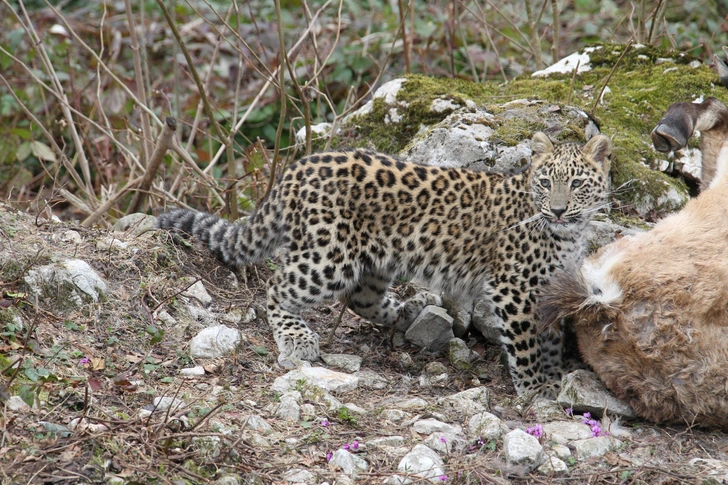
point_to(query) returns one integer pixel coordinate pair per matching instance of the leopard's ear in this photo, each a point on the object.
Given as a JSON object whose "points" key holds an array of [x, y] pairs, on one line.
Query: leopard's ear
{"points": [[599, 149], [540, 144]]}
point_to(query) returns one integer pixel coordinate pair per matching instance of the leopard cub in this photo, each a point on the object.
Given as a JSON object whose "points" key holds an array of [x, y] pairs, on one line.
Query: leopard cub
{"points": [[349, 222]]}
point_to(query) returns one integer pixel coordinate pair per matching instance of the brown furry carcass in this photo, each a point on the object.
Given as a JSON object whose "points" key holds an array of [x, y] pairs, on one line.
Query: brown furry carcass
{"points": [[650, 311]]}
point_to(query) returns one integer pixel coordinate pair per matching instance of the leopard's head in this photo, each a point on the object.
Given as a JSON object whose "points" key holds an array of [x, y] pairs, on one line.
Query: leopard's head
{"points": [[570, 182]]}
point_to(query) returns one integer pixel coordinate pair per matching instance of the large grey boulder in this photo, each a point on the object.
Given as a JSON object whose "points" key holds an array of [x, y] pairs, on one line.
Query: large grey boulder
{"points": [[582, 391], [432, 328], [70, 283]]}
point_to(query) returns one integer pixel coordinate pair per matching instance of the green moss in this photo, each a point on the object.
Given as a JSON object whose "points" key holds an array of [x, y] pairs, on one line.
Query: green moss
{"points": [[640, 91]]}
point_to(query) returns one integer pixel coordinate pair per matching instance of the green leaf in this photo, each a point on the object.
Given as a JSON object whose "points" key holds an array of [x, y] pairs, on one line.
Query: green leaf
{"points": [[22, 152], [26, 394], [42, 151], [306, 424], [31, 373], [167, 380]]}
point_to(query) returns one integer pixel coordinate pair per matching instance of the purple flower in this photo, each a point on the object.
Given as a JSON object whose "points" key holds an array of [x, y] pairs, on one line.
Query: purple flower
{"points": [[480, 441], [329, 455], [594, 425], [355, 445], [536, 431], [443, 439], [84, 361], [442, 477], [346, 446], [569, 411], [587, 415], [325, 422]]}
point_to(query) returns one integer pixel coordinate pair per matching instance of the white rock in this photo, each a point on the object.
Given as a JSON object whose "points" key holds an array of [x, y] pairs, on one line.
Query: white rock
{"points": [[458, 352], [568, 430], [394, 414], [257, 423], [523, 449], [439, 105], [389, 90], [163, 403], [228, 480], [368, 379], [598, 446], [583, 392], [199, 293], [299, 475], [318, 395], [72, 237], [347, 462], [429, 426], [111, 242], [445, 443], [355, 409], [320, 130], [196, 371], [136, 224], [411, 404], [487, 427], [422, 463], [257, 441], [80, 425], [76, 277], [553, 465], [16, 404], [561, 451], [289, 407], [236, 316], [349, 363], [569, 63], [322, 377], [214, 342], [385, 441], [468, 402], [432, 328]]}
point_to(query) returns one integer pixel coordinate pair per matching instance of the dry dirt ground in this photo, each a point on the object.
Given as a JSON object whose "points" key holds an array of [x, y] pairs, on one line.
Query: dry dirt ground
{"points": [[105, 362]]}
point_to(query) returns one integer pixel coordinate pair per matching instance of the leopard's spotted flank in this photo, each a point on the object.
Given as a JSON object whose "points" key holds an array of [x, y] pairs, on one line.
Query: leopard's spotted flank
{"points": [[350, 221]]}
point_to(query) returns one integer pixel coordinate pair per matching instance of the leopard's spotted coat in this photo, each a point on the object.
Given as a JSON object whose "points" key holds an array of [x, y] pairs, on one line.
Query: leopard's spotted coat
{"points": [[350, 221]]}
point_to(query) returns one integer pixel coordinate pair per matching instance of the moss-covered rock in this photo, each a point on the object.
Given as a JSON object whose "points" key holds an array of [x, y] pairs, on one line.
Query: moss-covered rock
{"points": [[644, 83]]}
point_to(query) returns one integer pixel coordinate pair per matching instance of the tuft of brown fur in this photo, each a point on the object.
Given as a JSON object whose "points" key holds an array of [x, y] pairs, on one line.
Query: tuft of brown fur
{"points": [[661, 341]]}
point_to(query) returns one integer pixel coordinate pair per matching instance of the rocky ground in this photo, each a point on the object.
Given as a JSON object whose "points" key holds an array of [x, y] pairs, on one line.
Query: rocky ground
{"points": [[147, 362]]}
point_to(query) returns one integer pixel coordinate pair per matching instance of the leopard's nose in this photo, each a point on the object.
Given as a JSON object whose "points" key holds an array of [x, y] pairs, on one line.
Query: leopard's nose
{"points": [[558, 212]]}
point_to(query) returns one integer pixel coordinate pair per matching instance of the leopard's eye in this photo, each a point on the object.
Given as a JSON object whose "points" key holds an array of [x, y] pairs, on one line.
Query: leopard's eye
{"points": [[575, 184], [545, 183]]}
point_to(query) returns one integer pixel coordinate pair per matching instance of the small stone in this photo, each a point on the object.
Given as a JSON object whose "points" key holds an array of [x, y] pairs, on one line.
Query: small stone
{"points": [[322, 377], [193, 371], [431, 329], [16, 404], [422, 462], [110, 242], [214, 342], [487, 427], [561, 451], [385, 441], [349, 363], [237, 316], [288, 407], [429, 426], [164, 403], [459, 355], [445, 443], [411, 404], [522, 449], [228, 480], [199, 293], [435, 368], [563, 431], [349, 463], [430, 380], [257, 441], [299, 475], [405, 360], [73, 280], [468, 402], [592, 447], [485, 321], [257, 423], [136, 223], [583, 392], [553, 465], [80, 425], [461, 312], [368, 379], [394, 414], [355, 409], [546, 410]]}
